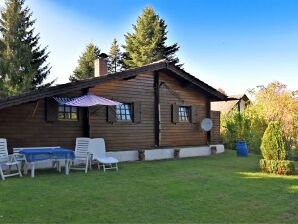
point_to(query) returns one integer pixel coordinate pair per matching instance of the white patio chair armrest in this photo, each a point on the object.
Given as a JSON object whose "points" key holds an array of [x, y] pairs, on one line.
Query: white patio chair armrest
{"points": [[19, 156], [12, 158]]}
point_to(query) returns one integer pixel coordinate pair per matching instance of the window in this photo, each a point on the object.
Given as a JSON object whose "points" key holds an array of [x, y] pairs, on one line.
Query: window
{"points": [[123, 112], [184, 114], [68, 113]]}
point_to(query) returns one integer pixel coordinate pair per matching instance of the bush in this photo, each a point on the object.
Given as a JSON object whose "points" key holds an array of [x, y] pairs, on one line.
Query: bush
{"points": [[281, 167], [248, 126], [274, 143], [274, 151]]}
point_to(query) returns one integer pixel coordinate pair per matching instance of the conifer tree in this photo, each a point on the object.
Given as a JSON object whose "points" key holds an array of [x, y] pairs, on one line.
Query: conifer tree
{"points": [[147, 42], [85, 68], [115, 57], [22, 64]]}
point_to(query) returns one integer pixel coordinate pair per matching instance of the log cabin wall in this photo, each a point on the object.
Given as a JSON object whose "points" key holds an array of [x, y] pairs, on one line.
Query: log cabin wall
{"points": [[123, 135], [181, 133], [25, 125], [129, 135]]}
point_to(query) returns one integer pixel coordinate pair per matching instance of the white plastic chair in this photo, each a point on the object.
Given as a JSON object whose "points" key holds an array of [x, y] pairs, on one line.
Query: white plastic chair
{"points": [[8, 161], [97, 150], [82, 155]]}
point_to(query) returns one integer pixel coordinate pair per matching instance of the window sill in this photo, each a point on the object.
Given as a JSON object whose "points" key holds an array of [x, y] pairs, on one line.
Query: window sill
{"points": [[66, 120], [123, 121]]}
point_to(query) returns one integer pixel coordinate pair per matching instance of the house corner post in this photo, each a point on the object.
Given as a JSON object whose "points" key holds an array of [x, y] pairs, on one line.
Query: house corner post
{"points": [[208, 115], [157, 124]]}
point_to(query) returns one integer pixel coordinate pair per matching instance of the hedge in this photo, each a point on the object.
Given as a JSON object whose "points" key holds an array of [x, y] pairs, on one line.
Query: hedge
{"points": [[281, 167]]}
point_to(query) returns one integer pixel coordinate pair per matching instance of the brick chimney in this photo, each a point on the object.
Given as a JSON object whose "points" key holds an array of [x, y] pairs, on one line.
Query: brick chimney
{"points": [[100, 67]]}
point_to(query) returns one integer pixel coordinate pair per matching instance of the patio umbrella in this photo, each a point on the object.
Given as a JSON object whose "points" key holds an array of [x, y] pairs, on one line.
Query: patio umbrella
{"points": [[88, 100]]}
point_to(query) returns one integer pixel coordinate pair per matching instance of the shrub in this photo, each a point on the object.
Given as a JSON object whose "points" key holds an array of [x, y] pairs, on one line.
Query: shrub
{"points": [[274, 151], [274, 143], [281, 167], [248, 126]]}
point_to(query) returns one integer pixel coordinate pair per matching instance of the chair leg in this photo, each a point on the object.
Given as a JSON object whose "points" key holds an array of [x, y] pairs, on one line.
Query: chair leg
{"points": [[32, 170], [90, 165], [19, 170], [1, 173], [25, 167], [87, 164], [66, 166], [59, 166]]}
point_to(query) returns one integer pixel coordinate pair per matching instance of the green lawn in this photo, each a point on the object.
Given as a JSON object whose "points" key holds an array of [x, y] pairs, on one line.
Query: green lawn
{"points": [[219, 189]]}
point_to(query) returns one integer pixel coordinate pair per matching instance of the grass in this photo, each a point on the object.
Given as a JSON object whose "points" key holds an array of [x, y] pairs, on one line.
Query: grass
{"points": [[218, 189]]}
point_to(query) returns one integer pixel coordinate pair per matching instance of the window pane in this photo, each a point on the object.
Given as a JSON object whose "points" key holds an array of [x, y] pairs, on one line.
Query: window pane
{"points": [[61, 108], [123, 112], [67, 116], [60, 116], [67, 113], [184, 114], [67, 108], [74, 116]]}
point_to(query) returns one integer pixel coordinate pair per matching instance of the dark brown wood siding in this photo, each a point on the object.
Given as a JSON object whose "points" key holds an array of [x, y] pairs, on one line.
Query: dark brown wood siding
{"points": [[181, 133], [215, 132], [25, 125], [123, 135]]}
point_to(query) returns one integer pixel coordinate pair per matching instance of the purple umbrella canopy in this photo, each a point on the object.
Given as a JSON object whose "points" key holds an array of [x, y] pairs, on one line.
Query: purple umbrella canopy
{"points": [[88, 100]]}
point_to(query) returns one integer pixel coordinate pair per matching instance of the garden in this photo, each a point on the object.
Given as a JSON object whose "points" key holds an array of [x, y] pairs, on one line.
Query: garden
{"points": [[269, 126]]}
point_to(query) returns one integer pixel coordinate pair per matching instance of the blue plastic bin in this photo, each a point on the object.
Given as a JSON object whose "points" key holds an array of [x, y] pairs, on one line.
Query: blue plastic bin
{"points": [[241, 148]]}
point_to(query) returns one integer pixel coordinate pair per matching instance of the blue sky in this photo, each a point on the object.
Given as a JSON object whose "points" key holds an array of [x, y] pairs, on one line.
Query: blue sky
{"points": [[230, 44]]}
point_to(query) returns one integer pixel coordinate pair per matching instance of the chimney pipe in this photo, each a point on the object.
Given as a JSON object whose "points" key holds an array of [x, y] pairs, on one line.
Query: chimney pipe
{"points": [[100, 67]]}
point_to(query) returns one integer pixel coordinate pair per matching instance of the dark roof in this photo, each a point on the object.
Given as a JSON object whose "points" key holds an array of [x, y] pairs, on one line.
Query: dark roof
{"points": [[88, 83], [240, 96]]}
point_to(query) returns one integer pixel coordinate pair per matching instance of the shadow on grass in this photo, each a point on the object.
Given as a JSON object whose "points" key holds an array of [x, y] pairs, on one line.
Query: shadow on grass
{"points": [[290, 183]]}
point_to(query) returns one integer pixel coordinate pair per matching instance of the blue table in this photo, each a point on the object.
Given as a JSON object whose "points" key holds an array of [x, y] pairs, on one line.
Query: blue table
{"points": [[47, 153]]}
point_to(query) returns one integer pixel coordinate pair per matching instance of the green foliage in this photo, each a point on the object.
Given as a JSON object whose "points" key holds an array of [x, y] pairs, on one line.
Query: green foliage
{"points": [[280, 167], [115, 58], [274, 145], [147, 43], [272, 103], [277, 103], [246, 126], [22, 58], [85, 68]]}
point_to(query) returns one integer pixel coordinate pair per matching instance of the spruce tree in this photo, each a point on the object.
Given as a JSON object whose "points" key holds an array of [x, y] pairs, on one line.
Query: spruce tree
{"points": [[23, 60], [147, 43], [85, 68], [115, 57]]}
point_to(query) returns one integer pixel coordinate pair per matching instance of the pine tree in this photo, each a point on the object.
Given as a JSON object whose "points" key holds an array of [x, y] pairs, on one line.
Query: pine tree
{"points": [[148, 41], [85, 68], [23, 60], [115, 57]]}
